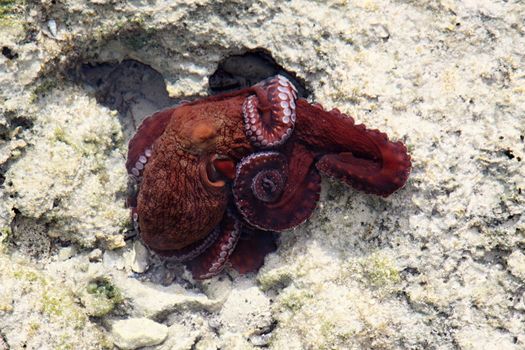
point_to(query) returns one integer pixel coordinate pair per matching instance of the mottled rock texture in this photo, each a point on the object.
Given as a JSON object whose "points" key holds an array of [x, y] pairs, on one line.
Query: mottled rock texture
{"points": [[440, 264]]}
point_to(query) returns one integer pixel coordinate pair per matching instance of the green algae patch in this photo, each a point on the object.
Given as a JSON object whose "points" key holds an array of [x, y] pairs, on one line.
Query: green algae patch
{"points": [[333, 334], [294, 299], [43, 88], [60, 304], [28, 275], [275, 278], [10, 11], [5, 233], [377, 271], [101, 296], [380, 270], [36, 299]]}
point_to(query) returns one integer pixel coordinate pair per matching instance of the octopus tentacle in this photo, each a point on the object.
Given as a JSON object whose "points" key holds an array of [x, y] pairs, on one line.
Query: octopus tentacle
{"points": [[274, 194], [269, 115], [252, 248], [363, 158], [192, 251], [214, 259], [140, 146]]}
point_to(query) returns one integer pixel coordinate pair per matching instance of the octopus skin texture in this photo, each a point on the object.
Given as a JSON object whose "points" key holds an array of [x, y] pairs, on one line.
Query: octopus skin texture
{"points": [[216, 178]]}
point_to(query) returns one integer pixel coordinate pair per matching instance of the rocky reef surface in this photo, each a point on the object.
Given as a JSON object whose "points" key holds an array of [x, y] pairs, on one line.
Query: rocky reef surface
{"points": [[438, 265]]}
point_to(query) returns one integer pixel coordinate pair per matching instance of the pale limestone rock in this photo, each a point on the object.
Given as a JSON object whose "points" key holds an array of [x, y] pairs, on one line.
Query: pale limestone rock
{"points": [[426, 268], [516, 262], [474, 338], [150, 300], [246, 311], [180, 337], [135, 333], [66, 253], [38, 310], [95, 255], [114, 260], [138, 259], [64, 179]]}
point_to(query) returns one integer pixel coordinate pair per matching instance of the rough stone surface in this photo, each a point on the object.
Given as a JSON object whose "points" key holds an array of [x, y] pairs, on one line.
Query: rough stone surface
{"points": [[37, 311], [246, 311], [516, 262], [438, 265], [135, 333]]}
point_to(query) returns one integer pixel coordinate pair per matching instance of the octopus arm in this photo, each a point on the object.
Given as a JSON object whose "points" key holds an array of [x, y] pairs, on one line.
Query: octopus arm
{"points": [[192, 251], [214, 259], [364, 159], [252, 248], [272, 194], [150, 129]]}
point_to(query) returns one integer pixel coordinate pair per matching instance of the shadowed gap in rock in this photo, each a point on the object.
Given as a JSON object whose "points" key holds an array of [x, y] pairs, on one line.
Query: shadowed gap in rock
{"points": [[136, 90], [132, 88], [240, 71]]}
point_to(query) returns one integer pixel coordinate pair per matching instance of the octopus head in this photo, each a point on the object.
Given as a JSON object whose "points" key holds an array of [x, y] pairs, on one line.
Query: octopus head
{"points": [[183, 192], [199, 135]]}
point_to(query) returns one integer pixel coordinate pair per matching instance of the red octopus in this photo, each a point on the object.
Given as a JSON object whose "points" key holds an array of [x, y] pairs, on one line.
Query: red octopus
{"points": [[218, 176]]}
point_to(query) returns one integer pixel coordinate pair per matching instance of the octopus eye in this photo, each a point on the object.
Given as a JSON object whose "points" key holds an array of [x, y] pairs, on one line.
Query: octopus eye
{"points": [[216, 170], [224, 166]]}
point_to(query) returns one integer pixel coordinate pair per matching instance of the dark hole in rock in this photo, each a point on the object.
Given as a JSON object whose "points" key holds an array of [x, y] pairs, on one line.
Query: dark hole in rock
{"points": [[7, 132], [29, 236], [20, 121], [509, 153], [13, 121], [132, 88], [9, 53], [240, 71]]}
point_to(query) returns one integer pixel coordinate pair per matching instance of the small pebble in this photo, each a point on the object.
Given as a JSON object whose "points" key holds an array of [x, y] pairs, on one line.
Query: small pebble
{"points": [[140, 258], [95, 255], [52, 25], [261, 340]]}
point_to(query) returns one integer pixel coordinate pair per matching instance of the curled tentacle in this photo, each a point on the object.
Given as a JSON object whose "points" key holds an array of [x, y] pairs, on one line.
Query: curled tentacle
{"points": [[269, 116], [382, 178], [274, 194], [363, 158], [214, 260]]}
